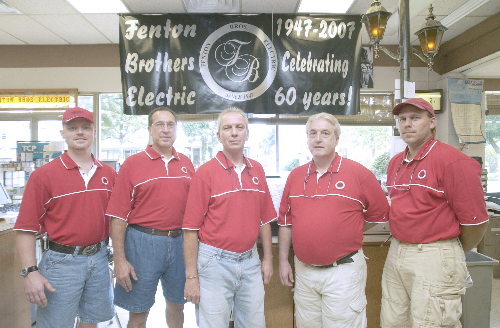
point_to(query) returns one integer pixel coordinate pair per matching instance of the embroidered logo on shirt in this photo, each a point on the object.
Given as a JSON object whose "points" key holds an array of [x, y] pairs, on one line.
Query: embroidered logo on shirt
{"points": [[104, 180], [255, 180], [183, 169], [340, 185], [422, 174]]}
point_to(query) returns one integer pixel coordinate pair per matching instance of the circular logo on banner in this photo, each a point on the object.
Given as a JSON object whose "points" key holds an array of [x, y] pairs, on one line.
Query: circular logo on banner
{"points": [[238, 62]]}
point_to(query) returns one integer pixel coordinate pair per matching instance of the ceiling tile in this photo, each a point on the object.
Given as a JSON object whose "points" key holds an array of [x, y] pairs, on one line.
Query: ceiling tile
{"points": [[44, 7], [7, 39], [74, 28], [155, 6], [107, 24], [28, 30]]}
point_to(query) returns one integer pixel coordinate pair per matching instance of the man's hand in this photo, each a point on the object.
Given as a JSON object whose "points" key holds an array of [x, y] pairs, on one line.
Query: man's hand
{"points": [[286, 273], [34, 284], [267, 270], [192, 290], [123, 271]]}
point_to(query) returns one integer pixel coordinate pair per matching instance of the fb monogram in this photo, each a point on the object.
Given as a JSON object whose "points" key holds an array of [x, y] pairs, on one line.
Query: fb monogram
{"points": [[239, 67]]}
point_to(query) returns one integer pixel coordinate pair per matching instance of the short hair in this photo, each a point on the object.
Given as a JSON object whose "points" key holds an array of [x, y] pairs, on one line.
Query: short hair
{"points": [[232, 110], [327, 117], [158, 109]]}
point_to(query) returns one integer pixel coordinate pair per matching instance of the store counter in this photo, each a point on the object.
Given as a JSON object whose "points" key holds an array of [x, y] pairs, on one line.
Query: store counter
{"points": [[15, 310]]}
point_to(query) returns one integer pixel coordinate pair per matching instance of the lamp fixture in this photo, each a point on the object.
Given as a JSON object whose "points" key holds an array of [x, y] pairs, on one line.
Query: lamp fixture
{"points": [[375, 21], [430, 33]]}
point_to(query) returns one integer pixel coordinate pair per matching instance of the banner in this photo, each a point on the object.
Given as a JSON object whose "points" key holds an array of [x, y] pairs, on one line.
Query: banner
{"points": [[262, 63]]}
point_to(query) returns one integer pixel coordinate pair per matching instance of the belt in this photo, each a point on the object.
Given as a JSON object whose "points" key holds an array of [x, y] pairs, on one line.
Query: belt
{"points": [[151, 231], [343, 260], [87, 250]]}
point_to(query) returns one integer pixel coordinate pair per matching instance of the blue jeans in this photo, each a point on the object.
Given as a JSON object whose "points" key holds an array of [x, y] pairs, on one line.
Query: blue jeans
{"points": [[82, 283], [154, 258], [230, 282]]}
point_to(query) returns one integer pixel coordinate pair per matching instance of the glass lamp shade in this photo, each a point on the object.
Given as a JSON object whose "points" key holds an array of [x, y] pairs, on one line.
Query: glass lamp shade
{"points": [[375, 21], [430, 35]]}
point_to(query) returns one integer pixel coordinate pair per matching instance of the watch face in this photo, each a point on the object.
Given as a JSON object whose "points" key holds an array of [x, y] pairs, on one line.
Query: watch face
{"points": [[24, 272]]}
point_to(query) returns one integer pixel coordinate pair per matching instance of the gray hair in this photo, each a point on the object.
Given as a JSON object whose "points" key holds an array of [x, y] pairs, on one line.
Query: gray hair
{"points": [[232, 110], [327, 117]]}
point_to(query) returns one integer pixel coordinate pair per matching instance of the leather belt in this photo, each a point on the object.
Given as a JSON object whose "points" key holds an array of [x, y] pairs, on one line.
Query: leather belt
{"points": [[87, 250], [343, 260], [157, 232]]}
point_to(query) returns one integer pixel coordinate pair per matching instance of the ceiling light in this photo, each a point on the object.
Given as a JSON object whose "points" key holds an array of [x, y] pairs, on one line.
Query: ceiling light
{"points": [[99, 6], [325, 7]]}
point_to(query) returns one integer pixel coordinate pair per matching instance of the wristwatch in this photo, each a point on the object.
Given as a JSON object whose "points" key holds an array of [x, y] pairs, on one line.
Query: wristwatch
{"points": [[26, 271]]}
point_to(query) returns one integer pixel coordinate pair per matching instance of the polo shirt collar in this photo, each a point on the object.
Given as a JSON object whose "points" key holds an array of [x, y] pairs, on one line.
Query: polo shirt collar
{"points": [[70, 164], [227, 164], [423, 151], [153, 154], [333, 168]]}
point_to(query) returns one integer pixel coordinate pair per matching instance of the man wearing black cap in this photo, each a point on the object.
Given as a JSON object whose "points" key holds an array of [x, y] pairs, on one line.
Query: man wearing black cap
{"points": [[67, 199], [437, 214]]}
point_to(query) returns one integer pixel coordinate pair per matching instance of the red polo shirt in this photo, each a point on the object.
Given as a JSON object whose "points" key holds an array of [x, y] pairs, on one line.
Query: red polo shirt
{"points": [[150, 192], [434, 193], [327, 214], [56, 201], [228, 211]]}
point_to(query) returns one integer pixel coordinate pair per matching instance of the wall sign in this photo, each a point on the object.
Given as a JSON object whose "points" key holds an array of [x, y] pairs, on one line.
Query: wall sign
{"points": [[264, 63]]}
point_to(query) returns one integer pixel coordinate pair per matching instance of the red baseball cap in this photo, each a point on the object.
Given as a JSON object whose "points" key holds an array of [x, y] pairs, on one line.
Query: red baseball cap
{"points": [[417, 102], [72, 113]]}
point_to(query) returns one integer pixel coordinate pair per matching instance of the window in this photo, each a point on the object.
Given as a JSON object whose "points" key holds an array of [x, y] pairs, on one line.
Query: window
{"points": [[121, 135]]}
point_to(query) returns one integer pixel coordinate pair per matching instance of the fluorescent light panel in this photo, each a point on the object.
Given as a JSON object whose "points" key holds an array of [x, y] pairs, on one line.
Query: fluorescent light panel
{"points": [[325, 7], [99, 6]]}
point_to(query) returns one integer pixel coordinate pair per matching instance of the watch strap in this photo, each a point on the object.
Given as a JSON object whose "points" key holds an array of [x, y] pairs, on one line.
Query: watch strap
{"points": [[26, 271]]}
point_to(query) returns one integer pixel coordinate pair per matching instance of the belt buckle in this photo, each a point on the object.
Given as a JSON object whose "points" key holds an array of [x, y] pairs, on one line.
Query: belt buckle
{"points": [[90, 250]]}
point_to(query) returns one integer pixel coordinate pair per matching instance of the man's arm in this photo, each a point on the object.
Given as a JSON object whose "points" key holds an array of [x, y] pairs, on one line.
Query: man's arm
{"points": [[34, 282], [471, 235], [285, 241], [123, 269], [267, 261], [192, 287]]}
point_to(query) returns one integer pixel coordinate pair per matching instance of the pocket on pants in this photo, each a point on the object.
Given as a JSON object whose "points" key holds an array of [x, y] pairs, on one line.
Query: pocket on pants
{"points": [[444, 306], [358, 304]]}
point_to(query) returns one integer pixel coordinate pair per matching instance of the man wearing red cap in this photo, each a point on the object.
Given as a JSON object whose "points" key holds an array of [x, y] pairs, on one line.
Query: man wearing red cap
{"points": [[437, 214], [67, 199]]}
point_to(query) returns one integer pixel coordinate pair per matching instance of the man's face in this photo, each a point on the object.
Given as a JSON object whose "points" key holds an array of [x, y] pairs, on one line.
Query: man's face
{"points": [[322, 139], [232, 132], [79, 133], [163, 131], [415, 126]]}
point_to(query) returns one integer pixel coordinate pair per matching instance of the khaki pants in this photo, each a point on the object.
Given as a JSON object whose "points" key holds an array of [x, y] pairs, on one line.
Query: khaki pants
{"points": [[422, 285]]}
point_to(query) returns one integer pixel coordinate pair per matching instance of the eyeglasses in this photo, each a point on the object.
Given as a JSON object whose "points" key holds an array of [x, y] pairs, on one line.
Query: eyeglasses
{"points": [[408, 186], [162, 125], [306, 178]]}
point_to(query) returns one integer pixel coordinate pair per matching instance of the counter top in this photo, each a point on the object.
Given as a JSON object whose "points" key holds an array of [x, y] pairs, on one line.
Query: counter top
{"points": [[6, 226]]}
